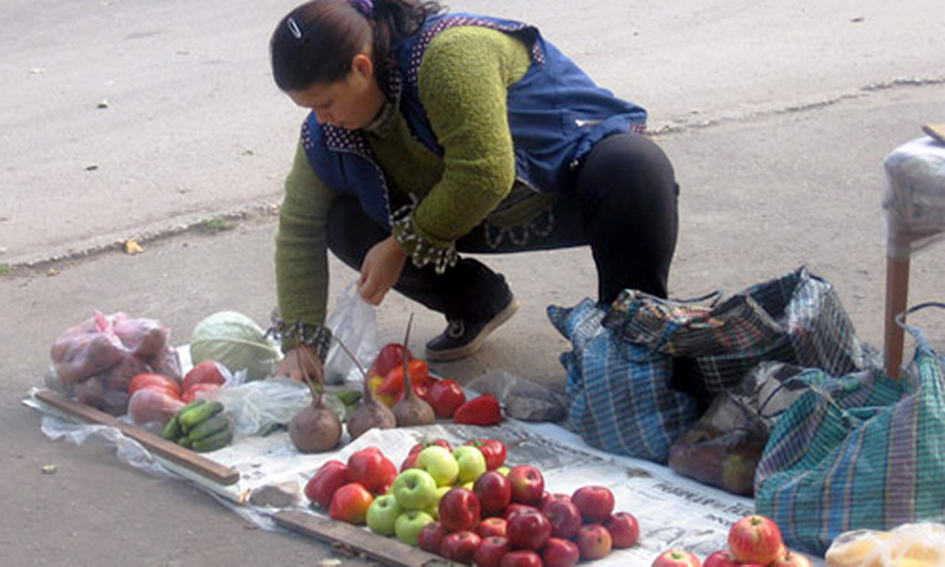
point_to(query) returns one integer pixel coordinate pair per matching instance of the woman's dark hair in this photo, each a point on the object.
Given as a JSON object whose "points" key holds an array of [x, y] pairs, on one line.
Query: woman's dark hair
{"points": [[316, 41]]}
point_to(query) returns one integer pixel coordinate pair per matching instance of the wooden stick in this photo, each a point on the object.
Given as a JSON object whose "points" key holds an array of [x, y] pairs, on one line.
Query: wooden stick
{"points": [[383, 549], [897, 295], [169, 450]]}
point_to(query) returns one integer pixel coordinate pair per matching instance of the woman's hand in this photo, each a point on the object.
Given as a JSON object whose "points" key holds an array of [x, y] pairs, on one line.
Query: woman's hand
{"points": [[295, 360], [381, 269]]}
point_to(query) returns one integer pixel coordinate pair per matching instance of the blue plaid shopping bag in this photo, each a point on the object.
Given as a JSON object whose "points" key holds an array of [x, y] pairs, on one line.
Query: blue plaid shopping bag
{"points": [[620, 399], [859, 452], [796, 318]]}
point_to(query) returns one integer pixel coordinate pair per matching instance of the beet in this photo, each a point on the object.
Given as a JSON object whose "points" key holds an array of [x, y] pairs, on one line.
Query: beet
{"points": [[411, 410], [314, 428], [370, 413]]}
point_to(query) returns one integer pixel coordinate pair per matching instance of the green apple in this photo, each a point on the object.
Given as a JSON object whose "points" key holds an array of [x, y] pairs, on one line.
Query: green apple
{"points": [[414, 489], [439, 462], [409, 524], [504, 470], [469, 485], [382, 514], [471, 463], [434, 509]]}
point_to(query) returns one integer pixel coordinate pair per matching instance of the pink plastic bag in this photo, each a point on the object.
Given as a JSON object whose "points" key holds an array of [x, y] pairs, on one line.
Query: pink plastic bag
{"points": [[95, 360]]}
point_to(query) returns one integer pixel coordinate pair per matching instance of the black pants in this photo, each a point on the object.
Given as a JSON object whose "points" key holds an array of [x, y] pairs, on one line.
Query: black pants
{"points": [[623, 204]]}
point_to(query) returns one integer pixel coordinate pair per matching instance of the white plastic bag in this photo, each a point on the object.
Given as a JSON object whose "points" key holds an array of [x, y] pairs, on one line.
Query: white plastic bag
{"points": [[353, 323]]}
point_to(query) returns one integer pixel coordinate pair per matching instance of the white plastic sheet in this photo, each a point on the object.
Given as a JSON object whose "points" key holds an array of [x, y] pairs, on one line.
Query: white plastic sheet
{"points": [[914, 197]]}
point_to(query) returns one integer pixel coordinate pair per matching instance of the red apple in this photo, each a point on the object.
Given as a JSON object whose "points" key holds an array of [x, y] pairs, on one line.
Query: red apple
{"points": [[521, 558], [527, 484], [494, 490], [624, 529], [564, 516], [755, 539], [410, 462], [513, 509], [677, 558], [558, 552], [491, 551], [459, 510], [350, 503], [431, 537], [594, 541], [492, 527], [792, 559], [327, 479], [460, 546], [372, 469], [528, 529], [594, 502], [721, 558]]}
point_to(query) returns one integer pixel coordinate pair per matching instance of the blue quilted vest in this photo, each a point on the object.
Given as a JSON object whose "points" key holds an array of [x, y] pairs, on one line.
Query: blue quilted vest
{"points": [[556, 114]]}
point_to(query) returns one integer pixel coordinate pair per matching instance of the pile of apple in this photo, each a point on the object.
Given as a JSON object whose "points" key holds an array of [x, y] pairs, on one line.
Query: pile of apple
{"points": [[467, 506], [753, 541]]}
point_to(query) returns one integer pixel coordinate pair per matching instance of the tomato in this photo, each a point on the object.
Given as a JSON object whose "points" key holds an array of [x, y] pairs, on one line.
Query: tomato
{"points": [[492, 449], [445, 396], [207, 372], [148, 380], [191, 393]]}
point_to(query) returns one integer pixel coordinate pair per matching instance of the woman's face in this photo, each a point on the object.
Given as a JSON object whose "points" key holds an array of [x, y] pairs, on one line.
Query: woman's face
{"points": [[349, 103]]}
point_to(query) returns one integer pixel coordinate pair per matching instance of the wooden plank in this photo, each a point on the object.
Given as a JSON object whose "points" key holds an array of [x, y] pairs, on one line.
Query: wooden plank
{"points": [[936, 131], [387, 550], [897, 296], [169, 450]]}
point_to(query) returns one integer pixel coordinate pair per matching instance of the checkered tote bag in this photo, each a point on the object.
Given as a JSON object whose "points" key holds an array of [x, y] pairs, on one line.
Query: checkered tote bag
{"points": [[869, 455], [797, 319], [620, 399]]}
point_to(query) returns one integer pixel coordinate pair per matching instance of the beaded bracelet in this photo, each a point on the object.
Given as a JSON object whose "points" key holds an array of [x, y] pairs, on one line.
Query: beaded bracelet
{"points": [[422, 252], [295, 333]]}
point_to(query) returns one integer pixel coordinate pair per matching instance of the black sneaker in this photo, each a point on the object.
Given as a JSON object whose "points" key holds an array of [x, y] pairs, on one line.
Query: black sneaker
{"points": [[462, 338]]}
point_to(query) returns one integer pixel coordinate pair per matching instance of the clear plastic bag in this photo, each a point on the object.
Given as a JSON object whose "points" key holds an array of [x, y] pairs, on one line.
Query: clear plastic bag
{"points": [[521, 398], [258, 407], [353, 323], [909, 545], [914, 197]]}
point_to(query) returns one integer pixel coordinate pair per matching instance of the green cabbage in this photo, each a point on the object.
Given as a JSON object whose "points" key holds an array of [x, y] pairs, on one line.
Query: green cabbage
{"points": [[235, 341]]}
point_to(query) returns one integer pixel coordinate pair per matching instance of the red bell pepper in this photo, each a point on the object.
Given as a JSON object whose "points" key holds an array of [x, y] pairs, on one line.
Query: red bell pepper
{"points": [[445, 396], [390, 357], [483, 410], [394, 380]]}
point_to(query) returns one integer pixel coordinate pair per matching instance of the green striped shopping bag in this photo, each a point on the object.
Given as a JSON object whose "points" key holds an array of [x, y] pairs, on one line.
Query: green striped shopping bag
{"points": [[869, 454]]}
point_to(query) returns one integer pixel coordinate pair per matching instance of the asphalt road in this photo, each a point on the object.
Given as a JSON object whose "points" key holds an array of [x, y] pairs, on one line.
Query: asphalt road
{"points": [[777, 119]]}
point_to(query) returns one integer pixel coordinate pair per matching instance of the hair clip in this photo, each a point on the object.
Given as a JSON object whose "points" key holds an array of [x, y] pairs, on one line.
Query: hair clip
{"points": [[294, 28]]}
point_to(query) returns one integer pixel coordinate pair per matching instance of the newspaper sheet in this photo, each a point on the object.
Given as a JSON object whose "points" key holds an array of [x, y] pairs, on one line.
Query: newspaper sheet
{"points": [[673, 511]]}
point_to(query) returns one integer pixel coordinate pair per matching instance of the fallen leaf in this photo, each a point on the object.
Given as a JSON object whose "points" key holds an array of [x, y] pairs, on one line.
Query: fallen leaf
{"points": [[132, 247], [52, 272], [49, 469]]}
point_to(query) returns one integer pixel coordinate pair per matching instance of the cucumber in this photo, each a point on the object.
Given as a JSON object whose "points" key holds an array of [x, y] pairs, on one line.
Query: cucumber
{"points": [[212, 443], [348, 397], [171, 429], [209, 427], [183, 441], [190, 418]]}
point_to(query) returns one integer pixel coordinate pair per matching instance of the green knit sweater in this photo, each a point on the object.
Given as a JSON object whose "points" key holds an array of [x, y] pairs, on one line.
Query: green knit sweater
{"points": [[463, 80]]}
